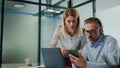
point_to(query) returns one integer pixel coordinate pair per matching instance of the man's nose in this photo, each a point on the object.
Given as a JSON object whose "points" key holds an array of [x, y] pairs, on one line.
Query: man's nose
{"points": [[89, 33]]}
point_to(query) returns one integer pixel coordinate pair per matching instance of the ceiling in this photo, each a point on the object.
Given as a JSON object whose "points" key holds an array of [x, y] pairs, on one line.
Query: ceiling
{"points": [[32, 6]]}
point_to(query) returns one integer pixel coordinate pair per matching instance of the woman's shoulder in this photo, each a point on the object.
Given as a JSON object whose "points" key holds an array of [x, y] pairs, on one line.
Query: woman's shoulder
{"points": [[59, 28]]}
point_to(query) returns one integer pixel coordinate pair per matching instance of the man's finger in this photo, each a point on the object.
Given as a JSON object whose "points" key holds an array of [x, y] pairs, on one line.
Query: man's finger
{"points": [[71, 56], [80, 55]]}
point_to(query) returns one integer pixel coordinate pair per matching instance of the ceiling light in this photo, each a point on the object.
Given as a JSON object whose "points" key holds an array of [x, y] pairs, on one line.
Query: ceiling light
{"points": [[19, 5], [53, 11], [50, 10], [57, 11]]}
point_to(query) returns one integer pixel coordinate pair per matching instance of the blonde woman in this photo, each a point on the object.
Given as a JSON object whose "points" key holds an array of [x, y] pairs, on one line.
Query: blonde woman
{"points": [[69, 33]]}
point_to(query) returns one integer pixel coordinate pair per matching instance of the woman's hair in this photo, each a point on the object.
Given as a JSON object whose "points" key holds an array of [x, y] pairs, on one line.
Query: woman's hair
{"points": [[71, 12]]}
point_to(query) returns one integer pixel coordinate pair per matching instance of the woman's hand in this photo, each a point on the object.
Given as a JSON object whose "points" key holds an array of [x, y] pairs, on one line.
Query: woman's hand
{"points": [[64, 51], [79, 62]]}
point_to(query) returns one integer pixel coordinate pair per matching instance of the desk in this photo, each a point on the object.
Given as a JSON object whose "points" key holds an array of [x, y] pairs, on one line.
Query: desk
{"points": [[27, 67], [41, 66]]}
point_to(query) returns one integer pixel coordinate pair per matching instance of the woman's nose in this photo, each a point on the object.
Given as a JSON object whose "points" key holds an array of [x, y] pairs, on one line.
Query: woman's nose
{"points": [[71, 23]]}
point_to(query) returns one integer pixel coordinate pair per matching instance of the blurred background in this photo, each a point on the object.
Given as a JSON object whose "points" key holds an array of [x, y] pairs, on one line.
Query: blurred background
{"points": [[26, 26]]}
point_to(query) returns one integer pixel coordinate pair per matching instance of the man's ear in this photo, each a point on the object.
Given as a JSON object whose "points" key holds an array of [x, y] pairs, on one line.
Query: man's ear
{"points": [[101, 29]]}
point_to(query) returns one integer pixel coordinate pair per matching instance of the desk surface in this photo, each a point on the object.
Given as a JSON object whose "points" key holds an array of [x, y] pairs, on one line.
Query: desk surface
{"points": [[41, 66], [27, 67]]}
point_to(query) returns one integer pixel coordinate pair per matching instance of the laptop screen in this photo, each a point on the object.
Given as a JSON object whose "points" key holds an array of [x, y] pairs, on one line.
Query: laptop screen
{"points": [[52, 58]]}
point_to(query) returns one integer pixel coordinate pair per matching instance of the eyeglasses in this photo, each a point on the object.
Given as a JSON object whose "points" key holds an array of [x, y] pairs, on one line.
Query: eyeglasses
{"points": [[92, 31]]}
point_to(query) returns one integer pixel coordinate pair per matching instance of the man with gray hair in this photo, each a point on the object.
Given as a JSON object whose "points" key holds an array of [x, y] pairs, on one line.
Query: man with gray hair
{"points": [[101, 51]]}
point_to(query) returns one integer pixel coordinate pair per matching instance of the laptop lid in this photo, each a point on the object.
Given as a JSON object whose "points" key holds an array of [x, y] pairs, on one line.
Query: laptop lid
{"points": [[52, 58]]}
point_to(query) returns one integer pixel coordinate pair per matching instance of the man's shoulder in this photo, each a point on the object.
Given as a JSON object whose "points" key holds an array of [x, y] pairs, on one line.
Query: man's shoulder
{"points": [[109, 37]]}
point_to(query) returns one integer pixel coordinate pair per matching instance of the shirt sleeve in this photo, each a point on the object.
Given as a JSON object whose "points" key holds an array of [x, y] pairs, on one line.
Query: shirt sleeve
{"points": [[85, 52], [92, 64], [96, 65], [112, 51], [55, 38]]}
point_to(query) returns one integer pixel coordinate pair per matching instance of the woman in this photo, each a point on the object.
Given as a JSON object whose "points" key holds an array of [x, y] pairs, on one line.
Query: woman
{"points": [[69, 32]]}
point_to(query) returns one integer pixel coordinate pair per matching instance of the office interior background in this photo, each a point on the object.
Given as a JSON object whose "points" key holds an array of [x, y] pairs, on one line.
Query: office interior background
{"points": [[28, 25]]}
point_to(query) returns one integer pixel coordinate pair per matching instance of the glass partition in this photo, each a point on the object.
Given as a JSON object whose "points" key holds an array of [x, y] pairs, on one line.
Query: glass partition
{"points": [[51, 18], [1, 32], [20, 34]]}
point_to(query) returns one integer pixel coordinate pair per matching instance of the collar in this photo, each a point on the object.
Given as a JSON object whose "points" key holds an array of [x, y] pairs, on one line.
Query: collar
{"points": [[98, 42]]}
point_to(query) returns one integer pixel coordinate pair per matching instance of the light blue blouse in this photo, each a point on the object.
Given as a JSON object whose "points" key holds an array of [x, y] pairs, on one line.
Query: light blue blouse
{"points": [[106, 47]]}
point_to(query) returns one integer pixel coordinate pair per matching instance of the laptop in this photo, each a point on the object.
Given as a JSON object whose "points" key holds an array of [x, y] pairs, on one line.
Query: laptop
{"points": [[52, 58]]}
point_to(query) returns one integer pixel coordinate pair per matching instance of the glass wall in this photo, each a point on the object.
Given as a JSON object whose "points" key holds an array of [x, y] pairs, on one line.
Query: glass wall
{"points": [[0, 32], [50, 20], [20, 34]]}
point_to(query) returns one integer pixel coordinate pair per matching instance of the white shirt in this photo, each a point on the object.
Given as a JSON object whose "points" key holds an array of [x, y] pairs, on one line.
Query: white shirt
{"points": [[68, 42], [107, 46]]}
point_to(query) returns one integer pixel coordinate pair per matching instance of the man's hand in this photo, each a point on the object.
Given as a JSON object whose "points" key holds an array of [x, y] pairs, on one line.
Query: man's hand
{"points": [[79, 62]]}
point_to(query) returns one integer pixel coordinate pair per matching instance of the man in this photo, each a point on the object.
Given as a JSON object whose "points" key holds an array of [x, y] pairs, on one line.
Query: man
{"points": [[101, 51]]}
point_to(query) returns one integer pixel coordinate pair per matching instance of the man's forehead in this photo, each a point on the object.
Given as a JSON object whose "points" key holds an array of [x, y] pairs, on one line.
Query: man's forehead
{"points": [[90, 26]]}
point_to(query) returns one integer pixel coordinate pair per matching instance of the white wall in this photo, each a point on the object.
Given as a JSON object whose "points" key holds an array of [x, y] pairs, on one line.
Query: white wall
{"points": [[111, 21], [85, 11]]}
